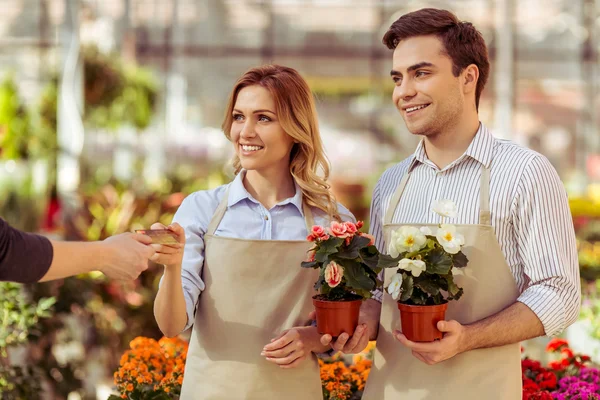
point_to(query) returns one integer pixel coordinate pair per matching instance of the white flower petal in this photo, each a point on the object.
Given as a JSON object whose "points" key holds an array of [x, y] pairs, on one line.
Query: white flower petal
{"points": [[445, 208]]}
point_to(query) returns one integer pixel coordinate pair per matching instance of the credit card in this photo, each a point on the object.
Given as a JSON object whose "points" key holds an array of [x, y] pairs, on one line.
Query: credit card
{"points": [[159, 236]]}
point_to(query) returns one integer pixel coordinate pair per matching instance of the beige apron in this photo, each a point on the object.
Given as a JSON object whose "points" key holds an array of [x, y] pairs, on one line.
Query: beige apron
{"points": [[489, 287], [255, 289]]}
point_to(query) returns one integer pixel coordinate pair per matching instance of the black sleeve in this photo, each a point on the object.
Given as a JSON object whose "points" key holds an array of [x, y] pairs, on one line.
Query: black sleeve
{"points": [[24, 257]]}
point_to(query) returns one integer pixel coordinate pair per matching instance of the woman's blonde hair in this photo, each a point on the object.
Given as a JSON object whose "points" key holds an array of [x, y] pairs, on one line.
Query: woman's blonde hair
{"points": [[295, 108]]}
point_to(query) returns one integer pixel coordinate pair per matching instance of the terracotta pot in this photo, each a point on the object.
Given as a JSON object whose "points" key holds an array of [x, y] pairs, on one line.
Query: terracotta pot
{"points": [[419, 323], [335, 317]]}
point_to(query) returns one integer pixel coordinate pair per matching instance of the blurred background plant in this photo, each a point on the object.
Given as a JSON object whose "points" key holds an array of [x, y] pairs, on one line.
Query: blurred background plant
{"points": [[19, 322]]}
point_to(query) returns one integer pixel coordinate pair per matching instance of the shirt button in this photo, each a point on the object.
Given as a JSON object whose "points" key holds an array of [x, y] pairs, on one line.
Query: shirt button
{"points": [[266, 217]]}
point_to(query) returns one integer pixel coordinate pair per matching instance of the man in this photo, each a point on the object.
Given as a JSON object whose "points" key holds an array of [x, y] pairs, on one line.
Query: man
{"points": [[512, 209], [28, 258]]}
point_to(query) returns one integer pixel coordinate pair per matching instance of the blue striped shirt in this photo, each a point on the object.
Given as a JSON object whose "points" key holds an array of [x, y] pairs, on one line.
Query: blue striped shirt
{"points": [[529, 209], [245, 218]]}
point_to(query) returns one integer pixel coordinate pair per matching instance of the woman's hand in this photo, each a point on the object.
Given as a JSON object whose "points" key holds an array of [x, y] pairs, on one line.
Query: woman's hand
{"points": [[169, 255], [293, 346]]}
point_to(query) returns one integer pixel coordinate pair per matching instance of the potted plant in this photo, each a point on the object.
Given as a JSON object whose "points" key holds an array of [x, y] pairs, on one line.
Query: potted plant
{"points": [[349, 264], [424, 281]]}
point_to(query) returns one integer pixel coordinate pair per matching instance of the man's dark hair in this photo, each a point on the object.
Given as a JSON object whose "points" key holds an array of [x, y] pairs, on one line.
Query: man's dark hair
{"points": [[462, 42]]}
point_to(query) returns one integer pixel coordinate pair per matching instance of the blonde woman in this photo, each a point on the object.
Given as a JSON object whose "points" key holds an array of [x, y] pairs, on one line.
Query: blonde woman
{"points": [[239, 281]]}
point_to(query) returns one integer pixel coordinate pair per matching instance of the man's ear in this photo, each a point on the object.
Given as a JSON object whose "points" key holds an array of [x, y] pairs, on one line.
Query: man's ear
{"points": [[470, 78]]}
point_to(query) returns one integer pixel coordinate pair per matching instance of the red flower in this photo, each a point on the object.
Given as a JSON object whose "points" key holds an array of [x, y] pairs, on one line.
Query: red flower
{"points": [[567, 353], [543, 395], [556, 344], [546, 380], [585, 358], [556, 366], [529, 385], [359, 224], [529, 364]]}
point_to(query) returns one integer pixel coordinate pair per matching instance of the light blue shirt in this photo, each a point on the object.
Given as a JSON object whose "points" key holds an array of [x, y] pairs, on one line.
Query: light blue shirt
{"points": [[245, 218]]}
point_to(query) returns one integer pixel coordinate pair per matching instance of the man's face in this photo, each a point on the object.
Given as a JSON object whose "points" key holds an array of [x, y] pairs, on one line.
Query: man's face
{"points": [[426, 93]]}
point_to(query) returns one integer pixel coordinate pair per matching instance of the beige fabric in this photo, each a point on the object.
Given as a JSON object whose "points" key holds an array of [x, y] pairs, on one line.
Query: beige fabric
{"points": [[254, 290], [489, 287]]}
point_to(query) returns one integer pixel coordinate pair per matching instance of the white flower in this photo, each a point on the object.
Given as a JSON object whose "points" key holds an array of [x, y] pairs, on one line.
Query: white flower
{"points": [[450, 240], [395, 286], [445, 208], [407, 238], [415, 267], [426, 231]]}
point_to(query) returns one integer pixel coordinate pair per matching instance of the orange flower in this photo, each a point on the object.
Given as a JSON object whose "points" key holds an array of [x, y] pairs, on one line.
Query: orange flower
{"points": [[157, 364]]}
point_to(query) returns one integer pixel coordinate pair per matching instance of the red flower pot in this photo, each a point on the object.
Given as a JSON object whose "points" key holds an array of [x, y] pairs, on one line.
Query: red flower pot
{"points": [[336, 317], [419, 323]]}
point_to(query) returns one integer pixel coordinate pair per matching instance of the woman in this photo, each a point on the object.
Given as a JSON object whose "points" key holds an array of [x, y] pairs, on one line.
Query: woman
{"points": [[239, 281]]}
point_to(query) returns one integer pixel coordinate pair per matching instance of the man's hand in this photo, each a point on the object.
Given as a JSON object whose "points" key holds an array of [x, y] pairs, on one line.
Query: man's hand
{"points": [[431, 353], [292, 346], [345, 343], [127, 255]]}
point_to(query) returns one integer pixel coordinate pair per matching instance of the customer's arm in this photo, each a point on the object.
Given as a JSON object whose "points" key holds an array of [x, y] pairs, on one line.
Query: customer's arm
{"points": [[28, 258], [122, 257]]}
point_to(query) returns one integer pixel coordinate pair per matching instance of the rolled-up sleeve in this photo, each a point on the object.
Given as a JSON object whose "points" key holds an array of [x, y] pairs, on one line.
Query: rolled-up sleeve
{"points": [[547, 247], [376, 229], [189, 216]]}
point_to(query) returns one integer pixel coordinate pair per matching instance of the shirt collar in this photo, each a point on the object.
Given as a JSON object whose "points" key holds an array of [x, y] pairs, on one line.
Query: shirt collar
{"points": [[237, 193], [480, 149]]}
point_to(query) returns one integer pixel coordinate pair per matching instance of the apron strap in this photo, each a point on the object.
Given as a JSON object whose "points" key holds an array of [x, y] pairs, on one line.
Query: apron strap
{"points": [[308, 217], [484, 197], [389, 215], [218, 215], [222, 208]]}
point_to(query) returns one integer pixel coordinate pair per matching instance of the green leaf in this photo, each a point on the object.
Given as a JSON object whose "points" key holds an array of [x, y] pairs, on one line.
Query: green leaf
{"points": [[438, 298], [371, 260], [327, 248], [438, 262], [407, 287], [454, 291], [352, 251], [459, 260], [319, 283], [309, 264], [419, 297], [355, 276], [385, 261], [428, 284], [46, 303]]}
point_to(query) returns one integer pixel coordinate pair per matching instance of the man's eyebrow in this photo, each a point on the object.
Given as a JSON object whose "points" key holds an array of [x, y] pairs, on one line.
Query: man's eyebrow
{"points": [[413, 67]]}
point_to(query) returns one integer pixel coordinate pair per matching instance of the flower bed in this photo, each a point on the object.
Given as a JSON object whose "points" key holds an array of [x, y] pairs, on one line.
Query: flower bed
{"points": [[151, 369], [568, 376], [154, 370]]}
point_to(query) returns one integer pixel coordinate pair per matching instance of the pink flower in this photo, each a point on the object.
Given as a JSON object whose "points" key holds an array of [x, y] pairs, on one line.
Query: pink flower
{"points": [[333, 274], [351, 227], [318, 230], [372, 242], [359, 224], [310, 257], [317, 233], [339, 229]]}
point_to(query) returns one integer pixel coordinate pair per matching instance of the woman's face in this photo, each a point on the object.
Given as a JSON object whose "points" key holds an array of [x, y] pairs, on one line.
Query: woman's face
{"points": [[260, 141]]}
